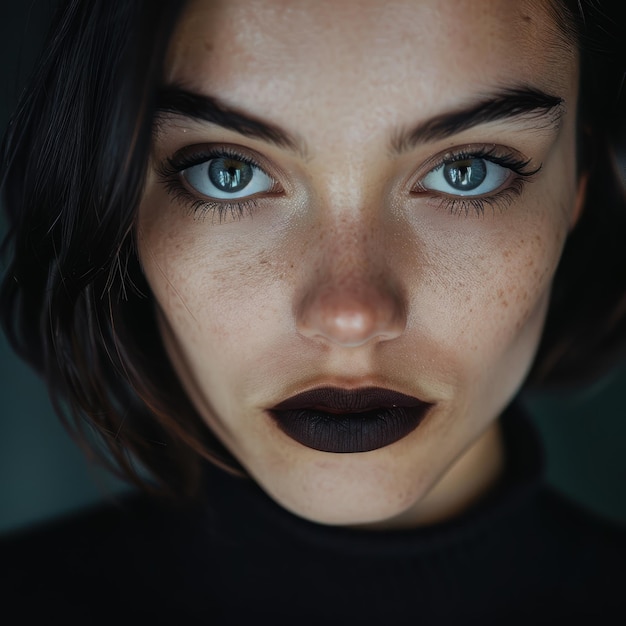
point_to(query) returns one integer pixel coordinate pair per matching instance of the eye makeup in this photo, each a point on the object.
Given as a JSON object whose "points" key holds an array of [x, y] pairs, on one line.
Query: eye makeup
{"points": [[172, 171], [511, 170], [514, 174]]}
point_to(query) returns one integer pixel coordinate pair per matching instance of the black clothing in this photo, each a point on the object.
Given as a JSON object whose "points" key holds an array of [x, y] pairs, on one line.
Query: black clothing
{"points": [[524, 555]]}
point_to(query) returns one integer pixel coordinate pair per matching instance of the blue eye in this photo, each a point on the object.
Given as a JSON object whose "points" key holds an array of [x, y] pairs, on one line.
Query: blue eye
{"points": [[472, 176], [227, 178]]}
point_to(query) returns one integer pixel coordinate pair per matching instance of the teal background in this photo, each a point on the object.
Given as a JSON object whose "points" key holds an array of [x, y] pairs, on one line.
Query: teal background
{"points": [[43, 474]]}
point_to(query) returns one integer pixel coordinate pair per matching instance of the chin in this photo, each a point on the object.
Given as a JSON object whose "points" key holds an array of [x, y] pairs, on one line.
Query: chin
{"points": [[398, 486], [383, 511], [348, 490]]}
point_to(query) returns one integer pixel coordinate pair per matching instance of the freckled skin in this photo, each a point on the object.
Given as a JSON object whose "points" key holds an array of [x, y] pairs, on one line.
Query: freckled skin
{"points": [[345, 277]]}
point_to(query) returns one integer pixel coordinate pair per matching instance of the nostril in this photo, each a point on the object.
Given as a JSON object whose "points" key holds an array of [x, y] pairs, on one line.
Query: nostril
{"points": [[351, 317]]}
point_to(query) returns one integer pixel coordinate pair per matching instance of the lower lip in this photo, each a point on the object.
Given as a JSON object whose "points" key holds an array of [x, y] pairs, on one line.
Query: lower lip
{"points": [[351, 432]]}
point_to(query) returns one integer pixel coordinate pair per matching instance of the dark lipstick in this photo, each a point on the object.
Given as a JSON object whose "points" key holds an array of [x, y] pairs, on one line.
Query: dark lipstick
{"points": [[332, 419]]}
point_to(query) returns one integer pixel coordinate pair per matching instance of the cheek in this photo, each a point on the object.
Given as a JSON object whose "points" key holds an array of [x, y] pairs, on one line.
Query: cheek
{"points": [[493, 273], [480, 306], [219, 287]]}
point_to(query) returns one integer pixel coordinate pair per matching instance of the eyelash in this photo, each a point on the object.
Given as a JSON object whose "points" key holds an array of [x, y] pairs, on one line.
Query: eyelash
{"points": [[170, 174], [465, 205]]}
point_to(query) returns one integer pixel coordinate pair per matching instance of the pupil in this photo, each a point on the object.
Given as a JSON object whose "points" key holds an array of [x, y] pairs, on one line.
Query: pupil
{"points": [[229, 174], [465, 175]]}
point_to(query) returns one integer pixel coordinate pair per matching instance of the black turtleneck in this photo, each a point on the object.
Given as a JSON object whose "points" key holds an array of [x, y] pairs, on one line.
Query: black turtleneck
{"points": [[523, 555]]}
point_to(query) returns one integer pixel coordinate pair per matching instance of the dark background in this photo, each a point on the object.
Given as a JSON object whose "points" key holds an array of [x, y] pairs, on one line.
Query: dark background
{"points": [[43, 474]]}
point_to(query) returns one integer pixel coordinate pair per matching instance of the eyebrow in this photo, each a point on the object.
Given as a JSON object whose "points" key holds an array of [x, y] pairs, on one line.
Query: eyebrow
{"points": [[174, 100], [526, 103]]}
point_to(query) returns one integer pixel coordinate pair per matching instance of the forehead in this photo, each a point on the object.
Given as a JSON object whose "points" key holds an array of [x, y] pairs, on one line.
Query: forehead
{"points": [[339, 53], [291, 30]]}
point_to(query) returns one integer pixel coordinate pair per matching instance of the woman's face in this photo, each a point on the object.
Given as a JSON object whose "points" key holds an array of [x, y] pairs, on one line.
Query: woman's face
{"points": [[356, 195]]}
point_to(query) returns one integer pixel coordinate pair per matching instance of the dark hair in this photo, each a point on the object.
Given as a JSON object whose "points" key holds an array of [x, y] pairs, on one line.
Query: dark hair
{"points": [[74, 301], [585, 331]]}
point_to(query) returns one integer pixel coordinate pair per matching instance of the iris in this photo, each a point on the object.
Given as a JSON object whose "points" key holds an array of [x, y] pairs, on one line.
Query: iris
{"points": [[465, 175], [229, 175]]}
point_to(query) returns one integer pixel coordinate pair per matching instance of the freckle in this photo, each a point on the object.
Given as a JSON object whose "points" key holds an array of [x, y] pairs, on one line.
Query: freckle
{"points": [[506, 254], [505, 303], [500, 293]]}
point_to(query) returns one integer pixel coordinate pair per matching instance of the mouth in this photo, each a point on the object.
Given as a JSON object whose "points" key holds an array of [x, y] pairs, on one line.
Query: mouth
{"points": [[331, 419]]}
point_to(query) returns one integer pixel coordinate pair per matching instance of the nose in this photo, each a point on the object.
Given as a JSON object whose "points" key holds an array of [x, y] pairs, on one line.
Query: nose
{"points": [[351, 302], [352, 316]]}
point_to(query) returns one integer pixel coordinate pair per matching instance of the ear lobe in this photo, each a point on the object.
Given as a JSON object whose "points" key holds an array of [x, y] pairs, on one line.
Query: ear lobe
{"points": [[581, 197]]}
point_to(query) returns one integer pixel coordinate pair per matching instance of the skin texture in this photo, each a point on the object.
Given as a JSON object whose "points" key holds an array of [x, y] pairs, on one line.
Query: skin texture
{"points": [[346, 272]]}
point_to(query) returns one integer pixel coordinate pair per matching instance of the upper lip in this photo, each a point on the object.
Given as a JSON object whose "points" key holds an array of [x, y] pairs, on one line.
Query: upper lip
{"points": [[348, 400]]}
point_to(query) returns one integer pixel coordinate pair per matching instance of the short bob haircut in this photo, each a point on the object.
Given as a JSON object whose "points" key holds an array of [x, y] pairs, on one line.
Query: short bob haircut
{"points": [[75, 304]]}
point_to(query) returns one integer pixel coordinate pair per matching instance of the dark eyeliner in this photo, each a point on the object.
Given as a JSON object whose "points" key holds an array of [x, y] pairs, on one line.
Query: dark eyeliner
{"points": [[496, 200], [170, 170], [184, 159], [508, 160]]}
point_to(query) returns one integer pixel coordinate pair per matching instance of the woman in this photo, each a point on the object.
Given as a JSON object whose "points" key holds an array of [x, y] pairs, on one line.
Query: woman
{"points": [[294, 262]]}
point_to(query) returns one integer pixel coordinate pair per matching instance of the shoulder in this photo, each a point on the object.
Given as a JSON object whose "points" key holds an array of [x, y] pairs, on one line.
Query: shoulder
{"points": [[574, 529], [113, 523], [575, 560], [577, 524], [118, 555]]}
